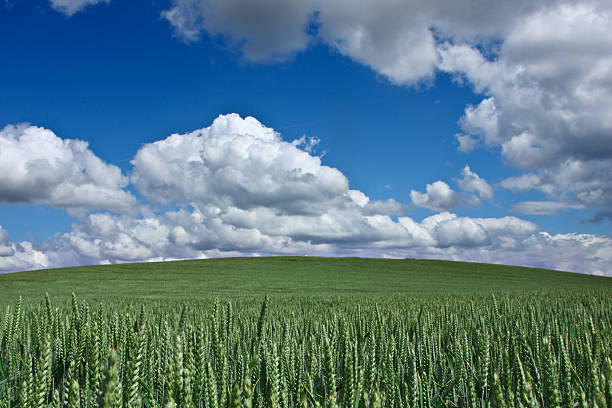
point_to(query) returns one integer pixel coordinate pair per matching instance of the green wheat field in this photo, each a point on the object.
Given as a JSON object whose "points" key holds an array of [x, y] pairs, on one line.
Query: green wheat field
{"points": [[287, 332]]}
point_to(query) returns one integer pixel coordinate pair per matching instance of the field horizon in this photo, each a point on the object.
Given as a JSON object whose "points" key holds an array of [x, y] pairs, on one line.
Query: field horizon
{"points": [[288, 276]]}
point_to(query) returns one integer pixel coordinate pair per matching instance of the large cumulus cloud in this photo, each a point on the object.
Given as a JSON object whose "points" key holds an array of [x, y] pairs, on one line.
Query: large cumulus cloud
{"points": [[237, 162], [39, 167]]}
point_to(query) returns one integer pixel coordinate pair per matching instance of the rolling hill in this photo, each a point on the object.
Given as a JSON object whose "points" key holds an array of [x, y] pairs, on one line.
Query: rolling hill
{"points": [[292, 276]]}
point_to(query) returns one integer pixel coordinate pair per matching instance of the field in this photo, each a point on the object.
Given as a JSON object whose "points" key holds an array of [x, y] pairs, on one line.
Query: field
{"points": [[286, 276], [304, 332]]}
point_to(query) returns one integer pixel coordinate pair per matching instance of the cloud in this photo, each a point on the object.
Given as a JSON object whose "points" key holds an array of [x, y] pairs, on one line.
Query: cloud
{"points": [[566, 252], [237, 162], [397, 39], [586, 183], [212, 231], [543, 67], [237, 188], [267, 30], [547, 94], [39, 167], [5, 247], [466, 143], [390, 37], [387, 207], [393, 41], [543, 207], [449, 230], [19, 256], [70, 7], [438, 197], [471, 182], [196, 233]]}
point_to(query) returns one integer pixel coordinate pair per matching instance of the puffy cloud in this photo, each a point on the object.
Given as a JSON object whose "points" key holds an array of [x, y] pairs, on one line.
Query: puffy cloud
{"points": [[522, 182], [389, 37], [238, 162], [466, 143], [387, 207], [39, 167], [449, 230], [547, 96], [264, 30], [452, 231], [200, 234], [438, 197], [578, 184], [473, 183], [70, 7], [568, 252], [19, 256]]}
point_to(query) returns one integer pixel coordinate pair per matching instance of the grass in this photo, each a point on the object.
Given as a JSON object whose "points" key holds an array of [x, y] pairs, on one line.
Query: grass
{"points": [[287, 276]]}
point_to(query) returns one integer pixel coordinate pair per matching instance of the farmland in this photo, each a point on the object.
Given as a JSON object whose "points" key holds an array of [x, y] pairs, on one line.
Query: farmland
{"points": [[304, 332]]}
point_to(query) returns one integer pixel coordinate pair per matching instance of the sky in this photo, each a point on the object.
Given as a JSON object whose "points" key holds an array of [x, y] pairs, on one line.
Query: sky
{"points": [[150, 130]]}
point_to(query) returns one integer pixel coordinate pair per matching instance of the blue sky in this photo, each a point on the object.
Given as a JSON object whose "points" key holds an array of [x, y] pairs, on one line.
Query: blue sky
{"points": [[475, 134]]}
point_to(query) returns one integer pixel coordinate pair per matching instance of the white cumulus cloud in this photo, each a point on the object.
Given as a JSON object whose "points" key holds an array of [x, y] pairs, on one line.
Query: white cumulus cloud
{"points": [[19, 256], [438, 197], [473, 183], [237, 162], [39, 167], [466, 143]]}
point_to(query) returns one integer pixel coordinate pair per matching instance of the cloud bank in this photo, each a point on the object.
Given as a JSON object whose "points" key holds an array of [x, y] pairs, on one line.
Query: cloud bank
{"points": [[237, 188]]}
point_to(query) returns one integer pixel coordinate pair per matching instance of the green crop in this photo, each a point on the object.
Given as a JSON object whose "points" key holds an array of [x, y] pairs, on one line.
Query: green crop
{"points": [[531, 350]]}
